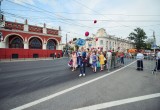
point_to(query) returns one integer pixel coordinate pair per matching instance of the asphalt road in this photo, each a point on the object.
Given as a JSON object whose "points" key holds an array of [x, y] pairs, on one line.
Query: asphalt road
{"points": [[25, 82]]}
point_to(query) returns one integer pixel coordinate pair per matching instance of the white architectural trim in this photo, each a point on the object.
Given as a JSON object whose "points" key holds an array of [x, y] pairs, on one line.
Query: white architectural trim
{"points": [[8, 35], [28, 32], [37, 37], [53, 39]]}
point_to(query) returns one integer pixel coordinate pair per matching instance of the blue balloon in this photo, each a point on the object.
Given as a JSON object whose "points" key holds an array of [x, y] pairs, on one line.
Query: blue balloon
{"points": [[80, 42]]}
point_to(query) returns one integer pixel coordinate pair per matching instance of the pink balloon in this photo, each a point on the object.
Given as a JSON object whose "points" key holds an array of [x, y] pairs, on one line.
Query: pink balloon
{"points": [[96, 39], [95, 21], [86, 33]]}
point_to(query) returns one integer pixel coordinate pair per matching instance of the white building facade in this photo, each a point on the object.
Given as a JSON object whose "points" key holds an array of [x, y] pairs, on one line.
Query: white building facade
{"points": [[104, 41]]}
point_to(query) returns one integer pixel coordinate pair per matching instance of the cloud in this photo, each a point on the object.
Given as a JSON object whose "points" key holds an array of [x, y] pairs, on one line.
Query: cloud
{"points": [[82, 13], [22, 2]]}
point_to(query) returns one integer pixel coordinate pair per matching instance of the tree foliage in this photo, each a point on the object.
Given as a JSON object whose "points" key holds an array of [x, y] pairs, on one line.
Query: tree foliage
{"points": [[149, 43], [74, 39], [138, 37]]}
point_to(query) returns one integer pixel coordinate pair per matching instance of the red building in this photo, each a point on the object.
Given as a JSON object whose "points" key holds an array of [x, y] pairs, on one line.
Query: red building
{"points": [[28, 41]]}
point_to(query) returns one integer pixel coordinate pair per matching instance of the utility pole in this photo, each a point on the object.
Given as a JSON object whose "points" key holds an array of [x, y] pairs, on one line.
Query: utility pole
{"points": [[154, 45], [66, 43], [66, 39], [1, 20]]}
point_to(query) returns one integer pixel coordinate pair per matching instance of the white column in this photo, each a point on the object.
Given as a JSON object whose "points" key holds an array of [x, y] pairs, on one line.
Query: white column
{"points": [[44, 30], [59, 47], [44, 46], [26, 45], [25, 27], [2, 44]]}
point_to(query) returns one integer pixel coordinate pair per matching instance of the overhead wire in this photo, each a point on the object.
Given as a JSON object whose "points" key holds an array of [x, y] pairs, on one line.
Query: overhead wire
{"points": [[63, 19], [49, 13], [95, 11], [85, 19], [89, 13]]}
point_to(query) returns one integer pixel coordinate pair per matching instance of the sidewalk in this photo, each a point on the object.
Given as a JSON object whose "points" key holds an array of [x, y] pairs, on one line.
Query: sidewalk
{"points": [[28, 59]]}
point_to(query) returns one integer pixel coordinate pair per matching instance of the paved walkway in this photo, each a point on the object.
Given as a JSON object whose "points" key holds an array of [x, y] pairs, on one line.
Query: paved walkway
{"points": [[28, 59]]}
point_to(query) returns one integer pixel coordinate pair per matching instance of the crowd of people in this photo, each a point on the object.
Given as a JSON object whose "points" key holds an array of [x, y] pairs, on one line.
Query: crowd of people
{"points": [[104, 60], [94, 59]]}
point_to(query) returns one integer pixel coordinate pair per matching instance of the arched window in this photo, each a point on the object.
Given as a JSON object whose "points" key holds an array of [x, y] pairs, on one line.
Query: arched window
{"points": [[35, 43], [51, 45], [16, 43]]}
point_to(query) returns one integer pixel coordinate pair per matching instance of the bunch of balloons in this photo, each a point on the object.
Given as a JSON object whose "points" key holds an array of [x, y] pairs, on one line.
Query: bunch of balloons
{"points": [[87, 33]]}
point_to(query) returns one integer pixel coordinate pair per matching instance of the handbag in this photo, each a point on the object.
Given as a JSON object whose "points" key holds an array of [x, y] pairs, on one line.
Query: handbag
{"points": [[98, 64]]}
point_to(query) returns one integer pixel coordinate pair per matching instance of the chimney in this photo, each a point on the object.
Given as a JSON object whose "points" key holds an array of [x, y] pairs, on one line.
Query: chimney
{"points": [[26, 21], [44, 25]]}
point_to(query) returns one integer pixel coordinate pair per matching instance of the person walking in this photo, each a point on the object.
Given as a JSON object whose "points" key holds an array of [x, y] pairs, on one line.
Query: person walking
{"points": [[140, 58], [74, 58], [82, 65], [122, 58], [83, 61], [157, 68], [109, 58], [113, 61], [101, 61], [90, 58], [55, 55], [94, 62]]}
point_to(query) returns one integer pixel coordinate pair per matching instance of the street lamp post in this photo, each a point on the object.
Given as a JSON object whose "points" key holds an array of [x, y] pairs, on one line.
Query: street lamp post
{"points": [[154, 44], [66, 43], [154, 41], [1, 20]]}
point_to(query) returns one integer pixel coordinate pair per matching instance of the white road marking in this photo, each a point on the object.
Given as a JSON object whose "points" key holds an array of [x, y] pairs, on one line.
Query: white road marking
{"points": [[66, 90], [119, 102]]}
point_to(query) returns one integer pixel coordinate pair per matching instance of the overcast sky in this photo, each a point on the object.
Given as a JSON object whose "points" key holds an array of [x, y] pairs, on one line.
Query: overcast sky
{"points": [[118, 17]]}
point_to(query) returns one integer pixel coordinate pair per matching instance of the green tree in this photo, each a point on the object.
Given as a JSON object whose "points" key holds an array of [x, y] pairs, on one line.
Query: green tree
{"points": [[149, 43], [77, 47], [138, 37], [74, 39]]}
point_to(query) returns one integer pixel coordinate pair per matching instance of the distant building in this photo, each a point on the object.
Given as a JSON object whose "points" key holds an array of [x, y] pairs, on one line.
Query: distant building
{"points": [[102, 40], [28, 41]]}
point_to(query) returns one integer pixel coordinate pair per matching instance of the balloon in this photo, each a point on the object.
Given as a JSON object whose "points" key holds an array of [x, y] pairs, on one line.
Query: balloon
{"points": [[95, 21], [86, 33], [96, 39]]}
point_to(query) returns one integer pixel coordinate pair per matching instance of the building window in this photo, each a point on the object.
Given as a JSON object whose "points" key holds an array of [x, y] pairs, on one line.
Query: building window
{"points": [[107, 43], [35, 43], [101, 42], [51, 45], [16, 43]]}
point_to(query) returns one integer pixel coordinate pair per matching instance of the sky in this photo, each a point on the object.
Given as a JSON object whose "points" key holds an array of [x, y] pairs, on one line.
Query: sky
{"points": [[75, 17]]}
